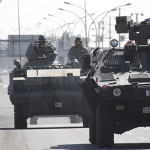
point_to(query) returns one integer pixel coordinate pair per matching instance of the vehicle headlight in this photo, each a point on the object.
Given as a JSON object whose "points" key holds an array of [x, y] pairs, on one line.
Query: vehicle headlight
{"points": [[114, 43], [116, 92]]}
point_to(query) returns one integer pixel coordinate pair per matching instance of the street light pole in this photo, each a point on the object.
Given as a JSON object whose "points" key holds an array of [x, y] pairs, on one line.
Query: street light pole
{"points": [[58, 17], [39, 24], [94, 21], [85, 23], [119, 33], [61, 19], [115, 8], [99, 27], [78, 21], [72, 13], [84, 9], [75, 15], [55, 22]]}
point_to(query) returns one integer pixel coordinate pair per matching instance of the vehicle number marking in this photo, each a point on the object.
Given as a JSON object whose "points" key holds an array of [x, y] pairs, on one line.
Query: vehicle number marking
{"points": [[119, 107], [147, 92], [146, 110], [58, 104]]}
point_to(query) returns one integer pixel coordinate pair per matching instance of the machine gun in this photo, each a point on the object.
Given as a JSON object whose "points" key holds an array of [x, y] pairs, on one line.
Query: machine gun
{"points": [[140, 32]]}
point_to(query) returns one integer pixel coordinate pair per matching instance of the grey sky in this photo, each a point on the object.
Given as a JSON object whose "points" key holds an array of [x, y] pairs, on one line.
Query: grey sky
{"points": [[33, 11]]}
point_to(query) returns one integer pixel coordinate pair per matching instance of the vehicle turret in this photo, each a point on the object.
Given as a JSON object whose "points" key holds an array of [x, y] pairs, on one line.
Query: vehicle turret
{"points": [[38, 54]]}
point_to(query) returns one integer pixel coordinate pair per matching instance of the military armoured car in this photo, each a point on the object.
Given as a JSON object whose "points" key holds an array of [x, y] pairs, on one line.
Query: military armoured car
{"points": [[43, 88], [118, 87]]}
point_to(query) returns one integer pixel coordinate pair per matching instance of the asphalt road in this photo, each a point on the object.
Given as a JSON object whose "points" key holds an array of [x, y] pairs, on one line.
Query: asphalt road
{"points": [[56, 132]]}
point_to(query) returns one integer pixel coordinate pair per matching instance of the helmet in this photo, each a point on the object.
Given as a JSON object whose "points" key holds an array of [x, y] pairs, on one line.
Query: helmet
{"points": [[77, 39], [41, 38], [129, 43]]}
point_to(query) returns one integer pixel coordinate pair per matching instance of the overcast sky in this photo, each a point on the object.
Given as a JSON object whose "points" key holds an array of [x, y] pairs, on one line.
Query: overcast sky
{"points": [[33, 11]]}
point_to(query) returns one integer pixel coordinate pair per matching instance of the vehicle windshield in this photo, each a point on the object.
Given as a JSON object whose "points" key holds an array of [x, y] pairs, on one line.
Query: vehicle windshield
{"points": [[116, 60]]}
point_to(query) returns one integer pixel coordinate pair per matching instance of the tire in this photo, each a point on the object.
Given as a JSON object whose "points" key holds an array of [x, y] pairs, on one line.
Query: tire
{"points": [[20, 116], [85, 117], [85, 120], [92, 127], [104, 126]]}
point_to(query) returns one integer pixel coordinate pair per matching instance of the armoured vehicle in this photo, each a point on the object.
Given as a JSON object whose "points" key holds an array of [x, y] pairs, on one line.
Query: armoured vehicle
{"points": [[42, 87], [118, 87]]}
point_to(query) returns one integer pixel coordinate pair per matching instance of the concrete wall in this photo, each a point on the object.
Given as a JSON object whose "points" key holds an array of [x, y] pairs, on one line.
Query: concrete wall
{"points": [[16, 48]]}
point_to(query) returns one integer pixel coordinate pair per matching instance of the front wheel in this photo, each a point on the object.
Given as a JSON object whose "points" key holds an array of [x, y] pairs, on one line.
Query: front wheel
{"points": [[104, 126], [20, 116], [85, 117], [92, 127], [85, 120]]}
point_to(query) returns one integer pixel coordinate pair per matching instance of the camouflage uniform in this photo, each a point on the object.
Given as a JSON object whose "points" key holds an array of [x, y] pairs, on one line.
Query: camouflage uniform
{"points": [[40, 54], [41, 50], [76, 52]]}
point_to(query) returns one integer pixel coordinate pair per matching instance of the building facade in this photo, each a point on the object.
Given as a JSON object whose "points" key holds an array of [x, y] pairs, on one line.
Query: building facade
{"points": [[17, 44]]}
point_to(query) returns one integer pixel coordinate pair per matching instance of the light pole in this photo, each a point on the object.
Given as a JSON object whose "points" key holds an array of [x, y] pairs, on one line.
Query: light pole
{"points": [[78, 22], [75, 15], [85, 22], [55, 22], [39, 24], [86, 12], [95, 19], [61, 19], [58, 17], [50, 30], [122, 5], [54, 32], [99, 26]]}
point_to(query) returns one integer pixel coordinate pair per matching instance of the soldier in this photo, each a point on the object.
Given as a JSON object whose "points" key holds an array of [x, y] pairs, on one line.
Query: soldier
{"points": [[77, 50], [41, 47], [40, 53]]}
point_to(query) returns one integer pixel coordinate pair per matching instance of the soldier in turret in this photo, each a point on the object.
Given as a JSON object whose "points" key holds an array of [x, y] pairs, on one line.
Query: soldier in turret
{"points": [[77, 51], [41, 46], [40, 53]]}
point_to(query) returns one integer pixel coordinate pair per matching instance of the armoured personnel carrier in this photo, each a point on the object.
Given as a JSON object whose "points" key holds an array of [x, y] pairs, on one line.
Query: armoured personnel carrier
{"points": [[118, 87], [42, 88]]}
